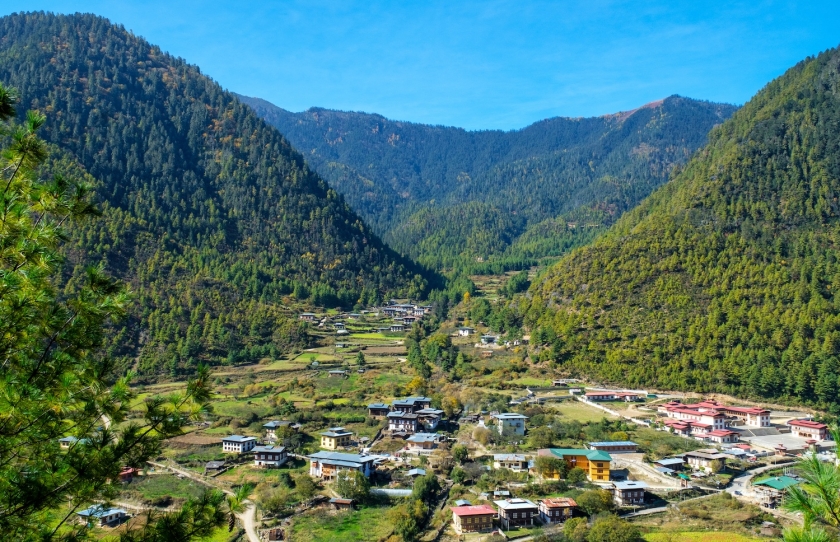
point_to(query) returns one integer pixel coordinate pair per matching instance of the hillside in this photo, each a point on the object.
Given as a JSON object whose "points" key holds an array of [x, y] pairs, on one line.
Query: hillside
{"points": [[210, 215], [727, 278], [405, 178]]}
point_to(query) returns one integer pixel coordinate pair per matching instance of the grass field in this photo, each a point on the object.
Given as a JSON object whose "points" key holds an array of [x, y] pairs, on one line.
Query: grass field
{"points": [[160, 486], [531, 381], [308, 357], [583, 413], [700, 536], [364, 525]]}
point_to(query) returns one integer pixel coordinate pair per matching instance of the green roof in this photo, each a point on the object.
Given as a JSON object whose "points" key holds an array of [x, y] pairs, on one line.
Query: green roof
{"points": [[778, 483], [592, 455]]}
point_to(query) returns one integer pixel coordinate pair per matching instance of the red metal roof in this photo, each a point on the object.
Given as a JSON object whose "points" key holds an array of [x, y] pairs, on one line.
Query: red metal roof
{"points": [[746, 410], [720, 433], [808, 423], [473, 510]]}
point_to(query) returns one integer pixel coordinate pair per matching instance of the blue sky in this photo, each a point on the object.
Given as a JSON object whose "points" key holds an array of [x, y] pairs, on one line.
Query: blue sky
{"points": [[484, 64]]}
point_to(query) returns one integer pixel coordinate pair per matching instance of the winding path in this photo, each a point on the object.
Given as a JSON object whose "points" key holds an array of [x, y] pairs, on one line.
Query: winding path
{"points": [[248, 517]]}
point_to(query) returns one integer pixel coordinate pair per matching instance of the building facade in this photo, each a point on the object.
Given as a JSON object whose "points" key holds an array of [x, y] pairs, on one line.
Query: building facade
{"points": [[595, 462], [327, 465], [629, 493], [238, 444], [556, 510], [514, 462], [270, 456], [515, 513], [510, 423], [473, 518], [335, 438], [809, 429]]}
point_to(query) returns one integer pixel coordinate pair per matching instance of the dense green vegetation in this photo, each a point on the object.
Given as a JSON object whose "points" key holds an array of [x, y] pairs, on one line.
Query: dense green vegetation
{"points": [[54, 378], [457, 199], [209, 214], [727, 278]]}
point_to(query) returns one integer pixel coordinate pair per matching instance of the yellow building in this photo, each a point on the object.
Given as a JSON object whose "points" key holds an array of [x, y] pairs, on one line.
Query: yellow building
{"points": [[595, 462], [335, 437]]}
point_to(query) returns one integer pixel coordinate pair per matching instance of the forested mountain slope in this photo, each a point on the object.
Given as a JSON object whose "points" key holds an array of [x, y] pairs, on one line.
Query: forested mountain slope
{"points": [[728, 277], [209, 213], [407, 179]]}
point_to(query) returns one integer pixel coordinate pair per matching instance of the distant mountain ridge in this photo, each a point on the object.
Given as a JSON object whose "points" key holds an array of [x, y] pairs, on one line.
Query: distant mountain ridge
{"points": [[404, 177], [210, 215], [727, 278]]}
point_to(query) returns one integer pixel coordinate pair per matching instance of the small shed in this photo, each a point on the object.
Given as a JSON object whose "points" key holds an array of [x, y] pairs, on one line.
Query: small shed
{"points": [[413, 473], [342, 504], [214, 466]]}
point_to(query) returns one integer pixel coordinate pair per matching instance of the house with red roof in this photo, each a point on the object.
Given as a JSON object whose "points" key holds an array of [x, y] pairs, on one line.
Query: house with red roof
{"points": [[472, 518], [721, 436], [600, 396], [809, 429]]}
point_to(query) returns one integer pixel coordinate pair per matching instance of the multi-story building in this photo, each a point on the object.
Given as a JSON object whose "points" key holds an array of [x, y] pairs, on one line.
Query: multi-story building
{"points": [[514, 462], [411, 404], [716, 414], [809, 429], [515, 513], [272, 427], [378, 410], [335, 437], [704, 459], [556, 510], [629, 493], [472, 518], [402, 422], [595, 462], [429, 418], [510, 423], [238, 444], [327, 465], [270, 456]]}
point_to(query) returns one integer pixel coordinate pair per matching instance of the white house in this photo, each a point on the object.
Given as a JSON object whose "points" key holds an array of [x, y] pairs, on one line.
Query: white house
{"points": [[99, 515], [465, 331], [270, 456], [514, 462], [402, 422], [238, 444], [510, 423]]}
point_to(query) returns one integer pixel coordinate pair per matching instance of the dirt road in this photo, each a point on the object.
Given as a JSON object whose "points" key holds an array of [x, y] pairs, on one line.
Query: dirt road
{"points": [[248, 517]]}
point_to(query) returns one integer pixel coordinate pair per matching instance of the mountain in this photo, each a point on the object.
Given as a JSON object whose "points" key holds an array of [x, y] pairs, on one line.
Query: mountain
{"points": [[210, 215], [727, 278], [405, 179]]}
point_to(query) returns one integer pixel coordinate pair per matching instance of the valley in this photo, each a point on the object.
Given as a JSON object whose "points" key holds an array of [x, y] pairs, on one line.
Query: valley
{"points": [[223, 321]]}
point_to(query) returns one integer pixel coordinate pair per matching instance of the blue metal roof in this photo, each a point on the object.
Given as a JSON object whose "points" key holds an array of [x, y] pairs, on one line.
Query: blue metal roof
{"points": [[237, 438], [275, 449], [614, 443], [98, 511]]}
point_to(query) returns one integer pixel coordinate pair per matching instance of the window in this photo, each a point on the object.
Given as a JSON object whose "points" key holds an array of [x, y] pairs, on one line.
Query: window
{"points": [[515, 515]]}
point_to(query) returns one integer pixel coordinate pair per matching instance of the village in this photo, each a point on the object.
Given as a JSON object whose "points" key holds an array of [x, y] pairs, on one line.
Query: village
{"points": [[513, 455]]}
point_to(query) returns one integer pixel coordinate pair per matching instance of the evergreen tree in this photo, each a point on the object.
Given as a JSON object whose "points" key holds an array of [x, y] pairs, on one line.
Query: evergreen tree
{"points": [[54, 379]]}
